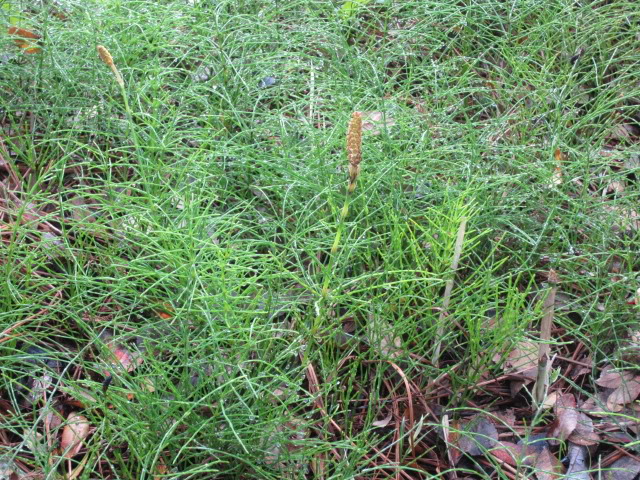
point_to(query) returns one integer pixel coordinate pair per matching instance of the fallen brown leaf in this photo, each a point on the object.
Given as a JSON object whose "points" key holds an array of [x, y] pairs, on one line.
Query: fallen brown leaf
{"points": [[626, 220], [596, 406], [34, 441], [556, 178], [451, 436], [626, 468], [578, 467], [550, 401], [583, 434], [507, 416], [124, 358], [566, 417], [74, 434], [384, 422], [548, 467], [383, 338], [523, 358], [25, 39], [477, 436], [375, 122], [507, 452], [626, 393], [288, 436], [522, 361], [612, 378]]}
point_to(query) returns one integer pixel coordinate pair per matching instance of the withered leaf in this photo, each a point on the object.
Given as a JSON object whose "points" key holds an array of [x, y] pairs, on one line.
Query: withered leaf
{"points": [[507, 452], [124, 358], [477, 436], [626, 393], [74, 433], [34, 441], [566, 417], [522, 361], [52, 420], [578, 456], [550, 401], [523, 358], [451, 435], [375, 122], [547, 466], [383, 338], [556, 178], [626, 468], [287, 436], [24, 39], [596, 406], [584, 435], [612, 378], [384, 422], [507, 416]]}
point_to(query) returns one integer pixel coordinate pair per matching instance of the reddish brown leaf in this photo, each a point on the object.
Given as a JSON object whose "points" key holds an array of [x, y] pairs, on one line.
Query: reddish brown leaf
{"points": [[522, 361], [21, 32], [611, 378], [584, 435], [548, 467], [596, 406], [161, 470], [166, 311], [626, 468], [566, 417], [507, 452], [556, 178], [384, 422], [25, 39], [582, 370], [451, 436], [507, 416], [550, 401], [129, 361], [52, 421], [626, 393], [124, 358]]}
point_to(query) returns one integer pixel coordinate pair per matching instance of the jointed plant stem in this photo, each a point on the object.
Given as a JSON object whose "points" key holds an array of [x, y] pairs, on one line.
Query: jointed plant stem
{"points": [[449, 288], [542, 381], [354, 155], [336, 243]]}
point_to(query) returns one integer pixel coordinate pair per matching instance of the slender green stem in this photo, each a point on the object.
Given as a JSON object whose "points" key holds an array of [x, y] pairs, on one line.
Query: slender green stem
{"points": [[328, 270]]}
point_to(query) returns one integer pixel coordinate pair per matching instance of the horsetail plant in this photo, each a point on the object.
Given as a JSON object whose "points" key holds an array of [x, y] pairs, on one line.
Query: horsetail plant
{"points": [[354, 156], [106, 57]]}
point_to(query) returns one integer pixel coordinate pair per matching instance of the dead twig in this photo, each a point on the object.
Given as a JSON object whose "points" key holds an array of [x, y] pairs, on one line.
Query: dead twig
{"points": [[542, 382], [457, 251], [314, 389]]}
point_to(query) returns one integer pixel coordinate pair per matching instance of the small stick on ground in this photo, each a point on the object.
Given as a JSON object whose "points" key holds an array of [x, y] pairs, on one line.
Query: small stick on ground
{"points": [[457, 251], [450, 457], [542, 380]]}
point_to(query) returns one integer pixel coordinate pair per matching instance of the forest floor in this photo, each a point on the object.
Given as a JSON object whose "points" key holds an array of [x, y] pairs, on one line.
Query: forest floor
{"points": [[185, 296]]}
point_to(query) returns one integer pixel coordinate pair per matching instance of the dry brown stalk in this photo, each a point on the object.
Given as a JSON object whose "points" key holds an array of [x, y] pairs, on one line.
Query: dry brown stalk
{"points": [[106, 57], [354, 148], [457, 251], [542, 381]]}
